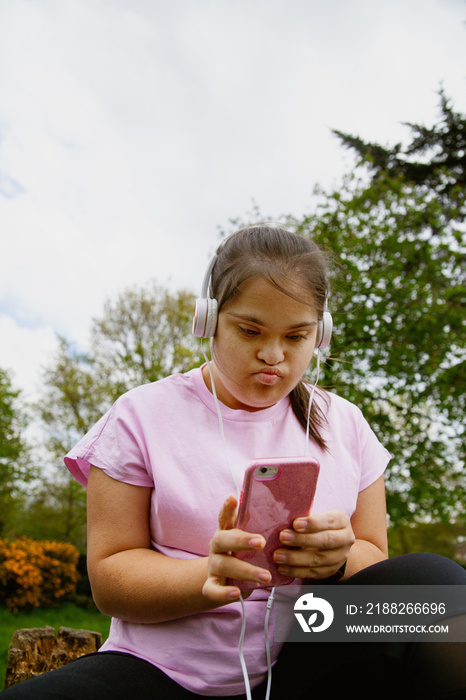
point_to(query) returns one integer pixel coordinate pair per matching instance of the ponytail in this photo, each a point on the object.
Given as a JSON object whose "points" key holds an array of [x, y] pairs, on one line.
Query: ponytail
{"points": [[299, 398]]}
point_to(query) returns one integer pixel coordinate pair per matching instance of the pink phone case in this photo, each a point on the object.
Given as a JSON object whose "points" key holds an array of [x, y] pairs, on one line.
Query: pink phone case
{"points": [[270, 504]]}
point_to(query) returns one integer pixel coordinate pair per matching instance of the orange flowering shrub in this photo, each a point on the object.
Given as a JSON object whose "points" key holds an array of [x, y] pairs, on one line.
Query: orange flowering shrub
{"points": [[34, 574]]}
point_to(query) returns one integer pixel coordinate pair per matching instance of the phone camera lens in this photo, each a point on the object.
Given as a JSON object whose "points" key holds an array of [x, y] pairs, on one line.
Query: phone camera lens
{"points": [[263, 470]]}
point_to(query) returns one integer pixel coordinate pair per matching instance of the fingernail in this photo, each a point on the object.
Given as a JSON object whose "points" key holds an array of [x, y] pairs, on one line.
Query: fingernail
{"points": [[255, 542], [300, 525], [265, 576], [279, 558], [287, 536]]}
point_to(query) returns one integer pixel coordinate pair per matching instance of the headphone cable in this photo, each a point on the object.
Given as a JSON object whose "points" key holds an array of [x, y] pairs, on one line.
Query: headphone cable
{"points": [[220, 420], [243, 611], [270, 600]]}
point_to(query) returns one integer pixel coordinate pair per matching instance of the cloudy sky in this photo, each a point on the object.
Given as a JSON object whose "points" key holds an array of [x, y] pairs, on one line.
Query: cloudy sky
{"points": [[130, 130]]}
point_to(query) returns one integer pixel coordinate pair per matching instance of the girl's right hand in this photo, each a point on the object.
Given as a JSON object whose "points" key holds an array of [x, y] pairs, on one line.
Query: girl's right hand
{"points": [[222, 565]]}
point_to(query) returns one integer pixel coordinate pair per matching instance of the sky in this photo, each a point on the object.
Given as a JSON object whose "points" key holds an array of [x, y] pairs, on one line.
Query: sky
{"points": [[131, 131]]}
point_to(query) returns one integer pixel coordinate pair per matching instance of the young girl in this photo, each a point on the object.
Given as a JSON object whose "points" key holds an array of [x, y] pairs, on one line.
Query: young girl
{"points": [[161, 468]]}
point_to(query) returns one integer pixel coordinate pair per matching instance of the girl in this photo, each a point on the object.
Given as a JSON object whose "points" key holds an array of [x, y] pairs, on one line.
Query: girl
{"points": [[160, 468]]}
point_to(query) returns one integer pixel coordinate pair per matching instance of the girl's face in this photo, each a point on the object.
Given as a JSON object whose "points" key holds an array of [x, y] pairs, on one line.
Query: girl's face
{"points": [[263, 344]]}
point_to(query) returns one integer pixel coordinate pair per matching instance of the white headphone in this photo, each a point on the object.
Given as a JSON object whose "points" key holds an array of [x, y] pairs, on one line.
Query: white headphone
{"points": [[205, 313], [324, 329]]}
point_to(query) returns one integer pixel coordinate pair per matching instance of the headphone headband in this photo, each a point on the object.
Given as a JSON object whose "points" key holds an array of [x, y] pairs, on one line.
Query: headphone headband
{"points": [[208, 272], [206, 312]]}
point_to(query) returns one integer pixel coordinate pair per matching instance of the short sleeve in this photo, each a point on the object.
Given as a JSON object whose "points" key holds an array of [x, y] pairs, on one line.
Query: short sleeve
{"points": [[355, 456], [115, 444], [374, 456]]}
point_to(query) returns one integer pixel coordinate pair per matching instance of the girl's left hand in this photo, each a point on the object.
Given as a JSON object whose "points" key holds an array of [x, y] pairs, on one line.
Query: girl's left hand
{"points": [[323, 543]]}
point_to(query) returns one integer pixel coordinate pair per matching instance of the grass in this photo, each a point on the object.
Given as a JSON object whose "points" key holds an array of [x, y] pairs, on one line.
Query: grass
{"points": [[66, 615]]}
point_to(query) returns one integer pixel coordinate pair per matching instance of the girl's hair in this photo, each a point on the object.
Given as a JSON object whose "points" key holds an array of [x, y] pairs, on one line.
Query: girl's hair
{"points": [[288, 261]]}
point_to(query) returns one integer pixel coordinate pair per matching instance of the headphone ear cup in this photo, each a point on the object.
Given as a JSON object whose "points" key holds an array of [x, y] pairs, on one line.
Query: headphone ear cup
{"points": [[212, 315], [324, 331], [205, 318]]}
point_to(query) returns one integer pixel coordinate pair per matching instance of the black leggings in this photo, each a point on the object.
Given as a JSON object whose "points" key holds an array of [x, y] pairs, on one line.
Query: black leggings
{"points": [[382, 670]]}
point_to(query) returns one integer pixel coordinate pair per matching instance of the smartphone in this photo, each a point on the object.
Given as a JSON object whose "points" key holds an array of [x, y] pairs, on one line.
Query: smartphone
{"points": [[275, 492]]}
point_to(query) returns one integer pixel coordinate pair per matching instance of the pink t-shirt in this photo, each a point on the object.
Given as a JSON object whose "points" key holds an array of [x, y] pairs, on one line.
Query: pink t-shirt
{"points": [[166, 435]]}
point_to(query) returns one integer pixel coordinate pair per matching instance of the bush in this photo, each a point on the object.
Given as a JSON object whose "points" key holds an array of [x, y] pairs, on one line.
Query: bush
{"points": [[34, 574]]}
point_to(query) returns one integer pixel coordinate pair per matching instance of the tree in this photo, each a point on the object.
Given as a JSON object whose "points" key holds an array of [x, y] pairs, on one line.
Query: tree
{"points": [[14, 469], [397, 229], [434, 162], [398, 344], [55, 510], [443, 538], [141, 336], [395, 234]]}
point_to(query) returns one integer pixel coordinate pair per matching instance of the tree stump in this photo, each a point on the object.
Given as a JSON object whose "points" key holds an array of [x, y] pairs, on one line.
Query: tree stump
{"points": [[37, 650]]}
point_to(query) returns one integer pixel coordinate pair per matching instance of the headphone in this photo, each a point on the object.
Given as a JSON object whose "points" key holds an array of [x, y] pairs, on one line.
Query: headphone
{"points": [[206, 312]]}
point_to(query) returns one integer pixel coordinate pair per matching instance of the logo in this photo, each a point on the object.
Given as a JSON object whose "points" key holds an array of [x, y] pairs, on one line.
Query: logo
{"points": [[310, 604]]}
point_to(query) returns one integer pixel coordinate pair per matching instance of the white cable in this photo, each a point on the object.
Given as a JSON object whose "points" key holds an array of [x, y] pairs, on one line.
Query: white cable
{"points": [[220, 420], [267, 643], [270, 600], [243, 611], [311, 396], [240, 651]]}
